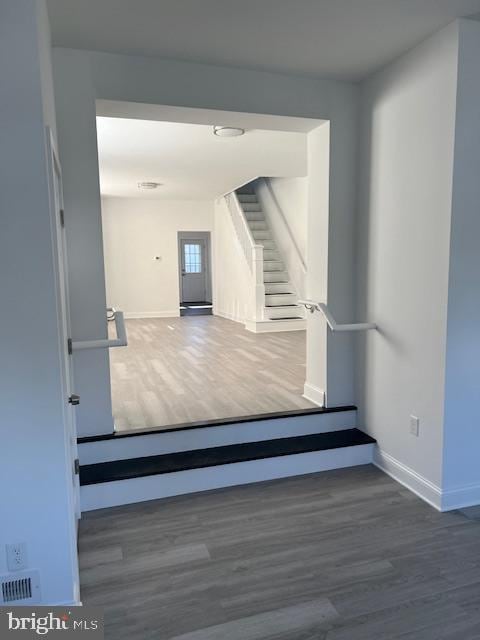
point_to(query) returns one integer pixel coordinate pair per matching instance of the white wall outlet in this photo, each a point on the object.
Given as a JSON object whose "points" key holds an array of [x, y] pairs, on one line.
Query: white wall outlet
{"points": [[414, 426], [16, 556]]}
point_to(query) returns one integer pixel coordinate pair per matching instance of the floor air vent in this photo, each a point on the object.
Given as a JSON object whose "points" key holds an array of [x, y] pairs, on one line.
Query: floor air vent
{"points": [[20, 587]]}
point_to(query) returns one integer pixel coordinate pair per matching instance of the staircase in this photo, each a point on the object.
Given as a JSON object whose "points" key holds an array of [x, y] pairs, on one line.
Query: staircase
{"points": [[280, 300], [135, 466]]}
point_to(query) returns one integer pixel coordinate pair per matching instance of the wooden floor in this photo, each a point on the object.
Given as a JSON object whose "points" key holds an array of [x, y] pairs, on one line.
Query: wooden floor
{"points": [[181, 370], [342, 555]]}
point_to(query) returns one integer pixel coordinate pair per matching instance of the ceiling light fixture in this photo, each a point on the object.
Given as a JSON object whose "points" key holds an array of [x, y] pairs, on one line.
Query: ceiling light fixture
{"points": [[149, 185], [228, 132]]}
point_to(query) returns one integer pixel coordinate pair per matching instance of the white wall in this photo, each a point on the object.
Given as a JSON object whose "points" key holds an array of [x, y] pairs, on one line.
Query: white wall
{"points": [[136, 230], [84, 76], [77, 139], [233, 284], [284, 202], [318, 335], [408, 127], [36, 505], [461, 474]]}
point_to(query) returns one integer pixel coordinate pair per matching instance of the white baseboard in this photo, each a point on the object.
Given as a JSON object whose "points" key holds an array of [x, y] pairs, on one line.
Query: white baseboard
{"points": [[419, 485], [132, 315], [314, 394], [228, 316], [461, 498]]}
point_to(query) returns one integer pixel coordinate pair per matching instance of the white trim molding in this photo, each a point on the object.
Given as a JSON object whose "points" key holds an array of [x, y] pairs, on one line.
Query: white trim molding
{"points": [[227, 316], [461, 497], [419, 485], [314, 394], [135, 315], [458, 498]]}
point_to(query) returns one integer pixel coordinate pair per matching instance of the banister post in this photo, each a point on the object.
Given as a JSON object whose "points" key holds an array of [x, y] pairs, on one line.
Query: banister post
{"points": [[258, 281]]}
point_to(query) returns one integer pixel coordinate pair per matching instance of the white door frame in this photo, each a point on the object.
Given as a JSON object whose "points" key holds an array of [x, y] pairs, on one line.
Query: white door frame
{"points": [[63, 311]]}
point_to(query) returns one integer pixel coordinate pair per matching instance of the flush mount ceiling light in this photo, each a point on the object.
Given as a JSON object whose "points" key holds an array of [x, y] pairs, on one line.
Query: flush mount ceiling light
{"points": [[149, 185], [228, 132]]}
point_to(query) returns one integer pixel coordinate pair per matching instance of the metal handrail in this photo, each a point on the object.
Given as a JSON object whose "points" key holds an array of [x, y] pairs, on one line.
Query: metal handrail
{"points": [[311, 305], [120, 341]]}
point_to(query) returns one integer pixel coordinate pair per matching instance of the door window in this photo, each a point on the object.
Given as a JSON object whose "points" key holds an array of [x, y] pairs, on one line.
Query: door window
{"points": [[193, 258]]}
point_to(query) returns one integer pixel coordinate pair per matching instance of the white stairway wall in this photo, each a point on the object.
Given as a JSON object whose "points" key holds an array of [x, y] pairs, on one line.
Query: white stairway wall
{"points": [[232, 282], [135, 230], [290, 195]]}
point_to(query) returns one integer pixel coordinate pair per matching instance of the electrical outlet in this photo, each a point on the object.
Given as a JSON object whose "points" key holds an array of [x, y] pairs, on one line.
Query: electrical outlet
{"points": [[16, 556], [414, 426]]}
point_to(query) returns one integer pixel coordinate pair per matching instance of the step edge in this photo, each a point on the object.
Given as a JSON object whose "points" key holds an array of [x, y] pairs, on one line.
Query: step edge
{"points": [[219, 422], [368, 441]]}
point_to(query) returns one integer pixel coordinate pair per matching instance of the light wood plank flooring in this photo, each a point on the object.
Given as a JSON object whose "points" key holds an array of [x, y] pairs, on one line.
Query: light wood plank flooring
{"points": [[343, 555], [181, 370]]}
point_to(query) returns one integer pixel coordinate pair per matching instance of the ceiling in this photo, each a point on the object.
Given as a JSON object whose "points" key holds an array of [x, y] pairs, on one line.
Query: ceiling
{"points": [[189, 160], [347, 39]]}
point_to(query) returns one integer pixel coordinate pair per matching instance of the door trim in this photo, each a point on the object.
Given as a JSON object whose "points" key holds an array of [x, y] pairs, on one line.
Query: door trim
{"points": [[196, 235]]}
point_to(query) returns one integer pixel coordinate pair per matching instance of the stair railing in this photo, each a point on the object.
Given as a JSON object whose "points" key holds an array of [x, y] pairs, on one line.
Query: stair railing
{"points": [[312, 306], [253, 254], [120, 341]]}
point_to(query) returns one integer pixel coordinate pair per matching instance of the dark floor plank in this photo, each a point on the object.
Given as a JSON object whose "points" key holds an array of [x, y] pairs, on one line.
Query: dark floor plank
{"points": [[341, 555]]}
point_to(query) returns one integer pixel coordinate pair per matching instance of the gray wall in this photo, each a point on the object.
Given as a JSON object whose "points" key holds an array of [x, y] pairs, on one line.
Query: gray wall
{"points": [[36, 505], [462, 391], [81, 76], [403, 230]]}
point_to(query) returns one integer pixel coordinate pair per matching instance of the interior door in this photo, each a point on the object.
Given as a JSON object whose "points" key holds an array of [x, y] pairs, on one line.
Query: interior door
{"points": [[194, 269], [71, 399]]}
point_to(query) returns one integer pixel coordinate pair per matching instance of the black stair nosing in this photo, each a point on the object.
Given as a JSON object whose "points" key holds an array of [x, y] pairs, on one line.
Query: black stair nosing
{"points": [[217, 456], [219, 422], [279, 306], [281, 293], [292, 318]]}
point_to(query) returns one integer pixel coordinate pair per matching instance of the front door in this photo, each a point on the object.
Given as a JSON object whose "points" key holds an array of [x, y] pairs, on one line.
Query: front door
{"points": [[194, 269]]}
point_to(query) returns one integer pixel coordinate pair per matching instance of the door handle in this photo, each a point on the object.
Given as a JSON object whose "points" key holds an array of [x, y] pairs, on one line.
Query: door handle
{"points": [[74, 399]]}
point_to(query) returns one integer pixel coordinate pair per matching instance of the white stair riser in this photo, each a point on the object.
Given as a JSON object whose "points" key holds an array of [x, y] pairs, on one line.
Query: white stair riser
{"points": [[270, 254], [216, 436], [275, 276], [247, 197], [258, 225], [279, 300], [255, 216], [110, 494], [278, 287], [276, 326], [251, 206], [268, 244], [273, 265], [261, 235], [283, 312]]}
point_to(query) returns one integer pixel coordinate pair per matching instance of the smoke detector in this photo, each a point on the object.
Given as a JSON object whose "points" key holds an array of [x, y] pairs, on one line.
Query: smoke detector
{"points": [[149, 185], [228, 132]]}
